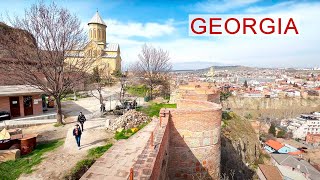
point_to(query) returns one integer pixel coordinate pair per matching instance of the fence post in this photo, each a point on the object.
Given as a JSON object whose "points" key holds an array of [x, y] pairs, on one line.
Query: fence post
{"points": [[131, 174], [151, 142]]}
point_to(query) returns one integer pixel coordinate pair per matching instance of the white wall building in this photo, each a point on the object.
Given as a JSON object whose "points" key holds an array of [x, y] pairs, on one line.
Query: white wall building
{"points": [[303, 125]]}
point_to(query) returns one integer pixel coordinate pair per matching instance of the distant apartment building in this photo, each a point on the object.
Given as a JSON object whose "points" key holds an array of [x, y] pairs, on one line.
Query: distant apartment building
{"points": [[303, 125]]}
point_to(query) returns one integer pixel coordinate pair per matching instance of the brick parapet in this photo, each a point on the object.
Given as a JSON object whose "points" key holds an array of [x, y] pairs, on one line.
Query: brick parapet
{"points": [[152, 163]]}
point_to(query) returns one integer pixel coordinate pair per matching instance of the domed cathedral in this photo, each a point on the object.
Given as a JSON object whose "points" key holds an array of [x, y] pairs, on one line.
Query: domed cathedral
{"points": [[106, 55]]}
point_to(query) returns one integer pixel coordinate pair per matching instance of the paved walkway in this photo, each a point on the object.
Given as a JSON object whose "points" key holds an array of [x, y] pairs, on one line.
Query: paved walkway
{"points": [[58, 163], [116, 162], [91, 136]]}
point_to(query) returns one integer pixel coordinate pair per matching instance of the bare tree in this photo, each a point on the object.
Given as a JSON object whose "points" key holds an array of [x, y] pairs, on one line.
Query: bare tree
{"points": [[123, 84], [153, 65], [100, 78], [48, 54]]}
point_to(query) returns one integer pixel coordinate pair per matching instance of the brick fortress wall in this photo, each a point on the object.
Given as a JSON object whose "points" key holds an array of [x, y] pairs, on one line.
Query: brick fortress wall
{"points": [[186, 143], [194, 140]]}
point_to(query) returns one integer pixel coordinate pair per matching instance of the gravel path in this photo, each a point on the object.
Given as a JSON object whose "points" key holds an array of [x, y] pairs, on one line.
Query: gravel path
{"points": [[60, 161]]}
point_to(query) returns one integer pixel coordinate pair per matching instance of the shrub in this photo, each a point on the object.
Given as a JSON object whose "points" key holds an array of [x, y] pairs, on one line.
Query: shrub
{"points": [[226, 116], [281, 133]]}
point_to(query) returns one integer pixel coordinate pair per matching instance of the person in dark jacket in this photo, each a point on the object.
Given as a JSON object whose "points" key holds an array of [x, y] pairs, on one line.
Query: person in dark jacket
{"points": [[81, 119], [77, 134]]}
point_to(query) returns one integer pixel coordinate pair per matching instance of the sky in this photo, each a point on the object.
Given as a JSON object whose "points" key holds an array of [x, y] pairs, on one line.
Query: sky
{"points": [[164, 24]]}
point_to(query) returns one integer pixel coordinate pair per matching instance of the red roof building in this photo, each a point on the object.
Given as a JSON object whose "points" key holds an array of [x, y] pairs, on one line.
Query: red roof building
{"points": [[274, 144]]}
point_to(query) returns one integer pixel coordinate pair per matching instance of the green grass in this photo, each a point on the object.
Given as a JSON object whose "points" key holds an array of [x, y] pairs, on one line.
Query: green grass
{"points": [[122, 135], [97, 152], [83, 165], [154, 108], [13, 169], [139, 91], [125, 134]]}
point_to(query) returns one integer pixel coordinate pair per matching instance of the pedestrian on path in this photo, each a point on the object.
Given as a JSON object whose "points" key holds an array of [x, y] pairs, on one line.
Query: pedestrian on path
{"points": [[77, 134], [81, 119]]}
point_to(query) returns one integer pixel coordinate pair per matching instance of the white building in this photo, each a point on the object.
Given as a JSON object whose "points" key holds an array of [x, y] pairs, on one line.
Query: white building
{"points": [[305, 124]]}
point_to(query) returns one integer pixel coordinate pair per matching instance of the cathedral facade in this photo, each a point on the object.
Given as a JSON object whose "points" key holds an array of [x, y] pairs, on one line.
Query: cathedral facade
{"points": [[106, 55]]}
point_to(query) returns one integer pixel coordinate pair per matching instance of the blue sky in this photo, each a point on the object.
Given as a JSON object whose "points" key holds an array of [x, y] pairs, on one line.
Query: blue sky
{"points": [[164, 24]]}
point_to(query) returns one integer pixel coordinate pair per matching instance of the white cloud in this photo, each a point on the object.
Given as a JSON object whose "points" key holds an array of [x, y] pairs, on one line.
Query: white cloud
{"points": [[274, 51], [219, 6], [275, 7], [131, 29]]}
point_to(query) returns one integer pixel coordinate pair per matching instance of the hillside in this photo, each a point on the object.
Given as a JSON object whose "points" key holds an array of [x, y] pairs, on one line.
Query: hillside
{"points": [[240, 152], [17, 36]]}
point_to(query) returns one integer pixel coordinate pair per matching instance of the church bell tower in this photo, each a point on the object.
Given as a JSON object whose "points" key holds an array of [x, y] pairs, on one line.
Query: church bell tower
{"points": [[97, 29]]}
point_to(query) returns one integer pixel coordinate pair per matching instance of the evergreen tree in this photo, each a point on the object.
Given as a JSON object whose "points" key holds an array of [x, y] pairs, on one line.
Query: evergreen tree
{"points": [[281, 134], [272, 130], [245, 84]]}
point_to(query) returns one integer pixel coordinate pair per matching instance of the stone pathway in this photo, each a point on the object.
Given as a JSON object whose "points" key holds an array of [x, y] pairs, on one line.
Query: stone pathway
{"points": [[60, 161], [92, 136], [116, 162]]}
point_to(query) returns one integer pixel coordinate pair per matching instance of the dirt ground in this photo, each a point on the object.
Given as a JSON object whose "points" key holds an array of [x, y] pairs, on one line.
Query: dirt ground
{"points": [[58, 163], [313, 155]]}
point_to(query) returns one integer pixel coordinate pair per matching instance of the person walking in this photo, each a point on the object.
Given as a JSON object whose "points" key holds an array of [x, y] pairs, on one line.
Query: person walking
{"points": [[77, 134], [81, 120]]}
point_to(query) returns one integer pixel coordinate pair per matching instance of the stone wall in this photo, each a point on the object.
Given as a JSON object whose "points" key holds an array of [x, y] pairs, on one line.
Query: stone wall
{"points": [[270, 103], [274, 108], [194, 140]]}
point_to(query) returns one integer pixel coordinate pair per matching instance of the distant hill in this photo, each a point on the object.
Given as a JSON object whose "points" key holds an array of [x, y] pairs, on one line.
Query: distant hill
{"points": [[235, 67], [205, 66], [195, 65]]}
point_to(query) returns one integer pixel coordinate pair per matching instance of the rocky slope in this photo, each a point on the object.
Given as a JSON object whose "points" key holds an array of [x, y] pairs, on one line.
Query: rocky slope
{"points": [[239, 148]]}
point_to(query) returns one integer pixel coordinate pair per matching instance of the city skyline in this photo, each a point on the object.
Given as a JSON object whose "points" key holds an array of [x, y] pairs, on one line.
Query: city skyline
{"points": [[129, 26]]}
